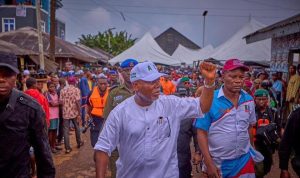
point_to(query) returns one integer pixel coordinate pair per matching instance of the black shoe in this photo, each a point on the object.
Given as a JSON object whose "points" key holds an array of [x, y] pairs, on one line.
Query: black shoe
{"points": [[80, 144]]}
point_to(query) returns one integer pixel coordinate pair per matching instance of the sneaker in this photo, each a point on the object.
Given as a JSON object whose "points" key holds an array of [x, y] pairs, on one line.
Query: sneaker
{"points": [[80, 144]]}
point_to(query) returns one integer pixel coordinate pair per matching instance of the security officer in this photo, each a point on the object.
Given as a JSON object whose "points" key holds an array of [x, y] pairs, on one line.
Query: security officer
{"points": [[186, 133], [123, 91], [115, 97], [97, 101], [184, 88], [19, 130], [265, 115]]}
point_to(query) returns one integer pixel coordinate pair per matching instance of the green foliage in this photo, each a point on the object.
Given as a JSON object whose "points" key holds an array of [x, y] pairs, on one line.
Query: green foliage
{"points": [[113, 43]]}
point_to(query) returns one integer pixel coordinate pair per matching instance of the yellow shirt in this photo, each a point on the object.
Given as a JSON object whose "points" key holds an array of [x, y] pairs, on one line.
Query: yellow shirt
{"points": [[90, 83], [293, 86]]}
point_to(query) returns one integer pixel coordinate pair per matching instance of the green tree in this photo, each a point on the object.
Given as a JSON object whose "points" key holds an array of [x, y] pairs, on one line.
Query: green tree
{"points": [[113, 43]]}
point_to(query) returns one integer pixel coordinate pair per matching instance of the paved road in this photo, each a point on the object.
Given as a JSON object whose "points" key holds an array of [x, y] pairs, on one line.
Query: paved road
{"points": [[79, 163]]}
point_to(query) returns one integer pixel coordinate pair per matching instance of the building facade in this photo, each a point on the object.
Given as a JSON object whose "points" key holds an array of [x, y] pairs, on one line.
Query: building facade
{"points": [[15, 14], [283, 52], [285, 49]]}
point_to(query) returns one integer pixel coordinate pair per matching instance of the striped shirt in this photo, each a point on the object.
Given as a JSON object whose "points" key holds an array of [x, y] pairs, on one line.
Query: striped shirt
{"points": [[227, 126]]}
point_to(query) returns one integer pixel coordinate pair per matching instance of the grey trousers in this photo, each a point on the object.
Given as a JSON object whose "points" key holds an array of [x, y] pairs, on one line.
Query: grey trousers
{"points": [[66, 132]]}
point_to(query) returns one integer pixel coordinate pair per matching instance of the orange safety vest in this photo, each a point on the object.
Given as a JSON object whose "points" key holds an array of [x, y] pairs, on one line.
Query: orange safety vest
{"points": [[98, 102], [167, 86]]}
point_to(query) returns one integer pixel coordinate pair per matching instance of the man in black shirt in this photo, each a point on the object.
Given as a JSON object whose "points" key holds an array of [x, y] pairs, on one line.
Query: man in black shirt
{"points": [[265, 115], [186, 133], [22, 125], [289, 142]]}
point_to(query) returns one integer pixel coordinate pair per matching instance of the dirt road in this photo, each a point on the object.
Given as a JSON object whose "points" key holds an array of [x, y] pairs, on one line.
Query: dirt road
{"points": [[79, 163]]}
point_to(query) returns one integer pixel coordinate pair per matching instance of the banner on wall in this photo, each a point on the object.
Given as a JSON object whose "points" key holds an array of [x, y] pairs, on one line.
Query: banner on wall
{"points": [[21, 11]]}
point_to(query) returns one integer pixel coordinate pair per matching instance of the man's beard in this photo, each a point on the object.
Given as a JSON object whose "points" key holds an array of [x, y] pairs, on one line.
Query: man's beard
{"points": [[143, 98]]}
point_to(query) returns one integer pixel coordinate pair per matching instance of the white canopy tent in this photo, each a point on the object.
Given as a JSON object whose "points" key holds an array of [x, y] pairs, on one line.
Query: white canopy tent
{"points": [[236, 46], [188, 55], [146, 49]]}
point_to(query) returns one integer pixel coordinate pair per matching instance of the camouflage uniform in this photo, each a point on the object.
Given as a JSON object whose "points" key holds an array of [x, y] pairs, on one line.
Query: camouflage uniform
{"points": [[115, 97]]}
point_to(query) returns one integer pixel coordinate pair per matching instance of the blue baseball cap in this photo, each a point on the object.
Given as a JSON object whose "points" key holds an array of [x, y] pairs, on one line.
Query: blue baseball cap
{"points": [[113, 72], [129, 63], [145, 71]]}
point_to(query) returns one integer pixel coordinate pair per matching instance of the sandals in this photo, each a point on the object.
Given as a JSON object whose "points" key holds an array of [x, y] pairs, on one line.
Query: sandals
{"points": [[68, 151]]}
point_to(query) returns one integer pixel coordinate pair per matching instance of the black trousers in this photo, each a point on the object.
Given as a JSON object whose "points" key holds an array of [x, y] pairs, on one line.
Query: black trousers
{"points": [[268, 160], [185, 171], [60, 130]]}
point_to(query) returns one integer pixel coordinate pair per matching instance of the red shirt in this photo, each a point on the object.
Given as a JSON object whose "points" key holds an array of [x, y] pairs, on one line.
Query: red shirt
{"points": [[34, 93]]}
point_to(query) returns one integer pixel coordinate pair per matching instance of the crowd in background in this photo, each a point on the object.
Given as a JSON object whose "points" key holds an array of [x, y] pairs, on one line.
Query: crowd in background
{"points": [[64, 95]]}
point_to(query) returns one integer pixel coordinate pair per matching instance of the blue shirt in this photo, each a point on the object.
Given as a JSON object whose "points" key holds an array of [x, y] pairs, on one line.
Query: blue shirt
{"points": [[227, 126], [84, 87], [146, 137], [277, 85]]}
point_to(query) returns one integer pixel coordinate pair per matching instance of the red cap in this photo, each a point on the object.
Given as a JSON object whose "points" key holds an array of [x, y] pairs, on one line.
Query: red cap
{"points": [[232, 64], [72, 80]]}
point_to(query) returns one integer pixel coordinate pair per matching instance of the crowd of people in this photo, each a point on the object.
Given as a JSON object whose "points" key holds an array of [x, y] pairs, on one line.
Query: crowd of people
{"points": [[142, 119]]}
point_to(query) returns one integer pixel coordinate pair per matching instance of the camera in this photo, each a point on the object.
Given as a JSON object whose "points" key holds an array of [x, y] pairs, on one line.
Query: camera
{"points": [[268, 134]]}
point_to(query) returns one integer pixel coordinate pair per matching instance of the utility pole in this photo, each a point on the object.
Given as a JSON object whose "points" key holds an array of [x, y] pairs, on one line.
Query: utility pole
{"points": [[40, 37], [204, 14], [52, 30]]}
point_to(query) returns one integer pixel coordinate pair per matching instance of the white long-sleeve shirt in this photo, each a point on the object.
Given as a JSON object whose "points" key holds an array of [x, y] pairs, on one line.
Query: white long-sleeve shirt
{"points": [[146, 137]]}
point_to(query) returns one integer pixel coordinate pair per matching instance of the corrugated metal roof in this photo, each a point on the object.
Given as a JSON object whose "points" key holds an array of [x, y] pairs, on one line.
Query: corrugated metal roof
{"points": [[12, 48], [26, 39], [102, 55], [291, 20], [49, 64]]}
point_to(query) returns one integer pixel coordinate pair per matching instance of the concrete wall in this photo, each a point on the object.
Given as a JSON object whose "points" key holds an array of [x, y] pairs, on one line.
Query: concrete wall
{"points": [[282, 51]]}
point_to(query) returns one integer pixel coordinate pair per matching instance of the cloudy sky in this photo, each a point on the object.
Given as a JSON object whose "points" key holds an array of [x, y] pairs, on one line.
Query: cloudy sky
{"points": [[137, 17]]}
